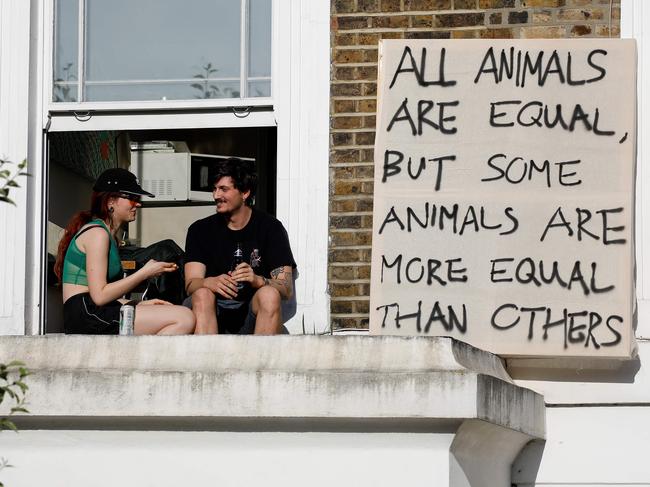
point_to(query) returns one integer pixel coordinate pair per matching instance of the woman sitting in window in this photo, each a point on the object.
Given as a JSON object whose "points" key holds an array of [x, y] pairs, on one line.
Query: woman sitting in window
{"points": [[89, 267]]}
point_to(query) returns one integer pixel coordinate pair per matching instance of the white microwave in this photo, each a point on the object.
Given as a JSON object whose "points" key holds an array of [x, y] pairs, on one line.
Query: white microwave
{"points": [[176, 174], [202, 174]]}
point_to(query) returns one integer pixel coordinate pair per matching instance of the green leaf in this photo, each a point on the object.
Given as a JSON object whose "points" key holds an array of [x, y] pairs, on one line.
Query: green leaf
{"points": [[22, 385], [197, 86], [19, 409], [5, 173], [8, 425], [16, 363]]}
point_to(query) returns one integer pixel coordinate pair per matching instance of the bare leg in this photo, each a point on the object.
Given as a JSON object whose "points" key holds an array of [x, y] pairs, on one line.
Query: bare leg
{"points": [[162, 319], [266, 306], [204, 307]]}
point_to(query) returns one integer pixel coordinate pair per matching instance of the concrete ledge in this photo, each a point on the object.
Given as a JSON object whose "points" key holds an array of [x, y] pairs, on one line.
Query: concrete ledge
{"points": [[272, 377]]}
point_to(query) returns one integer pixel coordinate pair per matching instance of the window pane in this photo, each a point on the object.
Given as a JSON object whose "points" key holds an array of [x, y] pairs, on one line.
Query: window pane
{"points": [[260, 20], [181, 43], [162, 91], [259, 88], [66, 47]]}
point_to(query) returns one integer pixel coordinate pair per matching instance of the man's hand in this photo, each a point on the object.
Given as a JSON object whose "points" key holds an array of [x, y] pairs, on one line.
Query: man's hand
{"points": [[224, 285], [244, 273]]}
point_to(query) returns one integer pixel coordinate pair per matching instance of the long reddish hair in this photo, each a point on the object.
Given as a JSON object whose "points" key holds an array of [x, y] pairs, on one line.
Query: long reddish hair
{"points": [[98, 209]]}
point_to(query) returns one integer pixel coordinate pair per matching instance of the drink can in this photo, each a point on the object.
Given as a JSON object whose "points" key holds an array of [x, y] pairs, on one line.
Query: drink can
{"points": [[127, 319]]}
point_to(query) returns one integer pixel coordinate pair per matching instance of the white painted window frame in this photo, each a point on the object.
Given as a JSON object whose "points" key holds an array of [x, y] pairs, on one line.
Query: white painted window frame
{"points": [[299, 107], [635, 23], [243, 101]]}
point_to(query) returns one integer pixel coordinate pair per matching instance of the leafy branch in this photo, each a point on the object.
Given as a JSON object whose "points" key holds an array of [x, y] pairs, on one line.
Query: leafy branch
{"points": [[61, 87], [12, 386], [207, 89], [8, 179]]}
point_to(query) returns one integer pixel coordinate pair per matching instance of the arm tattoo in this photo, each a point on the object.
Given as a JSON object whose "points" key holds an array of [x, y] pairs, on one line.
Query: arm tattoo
{"points": [[282, 280]]}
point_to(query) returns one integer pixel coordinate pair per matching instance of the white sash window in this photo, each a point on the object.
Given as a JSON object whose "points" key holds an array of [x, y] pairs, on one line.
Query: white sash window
{"points": [[159, 50]]}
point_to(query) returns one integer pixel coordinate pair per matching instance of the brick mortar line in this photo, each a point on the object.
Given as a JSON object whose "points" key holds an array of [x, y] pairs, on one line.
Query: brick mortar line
{"points": [[352, 98], [378, 30], [350, 82], [350, 281], [352, 114], [352, 164], [372, 64], [349, 315], [350, 213], [488, 11], [371, 30], [353, 131], [362, 180], [357, 47], [422, 12], [351, 230], [351, 147], [351, 247], [350, 298], [348, 264]]}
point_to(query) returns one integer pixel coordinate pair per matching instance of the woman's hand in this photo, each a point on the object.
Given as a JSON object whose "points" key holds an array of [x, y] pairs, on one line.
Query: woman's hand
{"points": [[149, 302], [154, 268]]}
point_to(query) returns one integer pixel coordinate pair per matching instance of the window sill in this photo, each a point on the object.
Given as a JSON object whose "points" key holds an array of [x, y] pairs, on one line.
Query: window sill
{"points": [[282, 377]]}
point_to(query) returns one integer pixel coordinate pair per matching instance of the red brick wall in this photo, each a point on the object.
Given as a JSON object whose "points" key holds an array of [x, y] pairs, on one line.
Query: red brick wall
{"points": [[356, 28]]}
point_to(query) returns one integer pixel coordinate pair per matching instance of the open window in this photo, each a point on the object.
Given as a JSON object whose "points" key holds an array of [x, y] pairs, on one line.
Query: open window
{"points": [[174, 164]]}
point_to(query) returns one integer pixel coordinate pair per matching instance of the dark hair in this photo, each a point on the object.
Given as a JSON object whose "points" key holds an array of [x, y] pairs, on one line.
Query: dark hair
{"points": [[243, 174], [98, 209]]}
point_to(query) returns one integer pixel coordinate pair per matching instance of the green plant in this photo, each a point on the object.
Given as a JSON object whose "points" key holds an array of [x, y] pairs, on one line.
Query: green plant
{"points": [[13, 374], [62, 89], [12, 386], [8, 178], [206, 87]]}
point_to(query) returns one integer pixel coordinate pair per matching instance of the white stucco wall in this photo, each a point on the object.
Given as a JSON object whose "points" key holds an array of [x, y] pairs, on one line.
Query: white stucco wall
{"points": [[289, 410], [173, 458], [14, 85]]}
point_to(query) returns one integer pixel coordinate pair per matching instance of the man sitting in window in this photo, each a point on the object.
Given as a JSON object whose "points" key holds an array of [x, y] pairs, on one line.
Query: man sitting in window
{"points": [[239, 263]]}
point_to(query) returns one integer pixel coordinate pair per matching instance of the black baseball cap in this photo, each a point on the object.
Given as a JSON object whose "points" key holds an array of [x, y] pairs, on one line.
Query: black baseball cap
{"points": [[118, 180]]}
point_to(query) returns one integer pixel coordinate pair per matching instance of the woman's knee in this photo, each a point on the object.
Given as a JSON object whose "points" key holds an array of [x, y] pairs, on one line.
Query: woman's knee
{"points": [[186, 319]]}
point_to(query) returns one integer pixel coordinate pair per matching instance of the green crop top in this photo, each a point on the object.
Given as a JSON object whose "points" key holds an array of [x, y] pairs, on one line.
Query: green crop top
{"points": [[74, 264]]}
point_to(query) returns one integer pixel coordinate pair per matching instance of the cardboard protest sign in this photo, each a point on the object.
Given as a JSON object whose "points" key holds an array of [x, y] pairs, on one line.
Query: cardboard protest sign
{"points": [[504, 194]]}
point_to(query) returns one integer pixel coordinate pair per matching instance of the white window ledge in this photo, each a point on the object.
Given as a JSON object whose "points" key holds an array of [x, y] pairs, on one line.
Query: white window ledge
{"points": [[283, 377]]}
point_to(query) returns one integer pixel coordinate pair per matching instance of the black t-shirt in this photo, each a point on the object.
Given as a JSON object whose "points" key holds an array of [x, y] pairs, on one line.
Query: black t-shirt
{"points": [[264, 241]]}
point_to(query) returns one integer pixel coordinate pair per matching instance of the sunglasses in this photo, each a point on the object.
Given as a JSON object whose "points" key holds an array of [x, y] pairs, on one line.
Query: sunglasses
{"points": [[134, 199]]}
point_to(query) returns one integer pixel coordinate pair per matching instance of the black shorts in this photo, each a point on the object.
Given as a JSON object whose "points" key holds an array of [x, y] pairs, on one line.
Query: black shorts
{"points": [[233, 317], [82, 316]]}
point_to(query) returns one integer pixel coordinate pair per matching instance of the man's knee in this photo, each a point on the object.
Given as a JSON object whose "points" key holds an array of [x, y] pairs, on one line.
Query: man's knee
{"points": [[203, 297], [268, 299]]}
